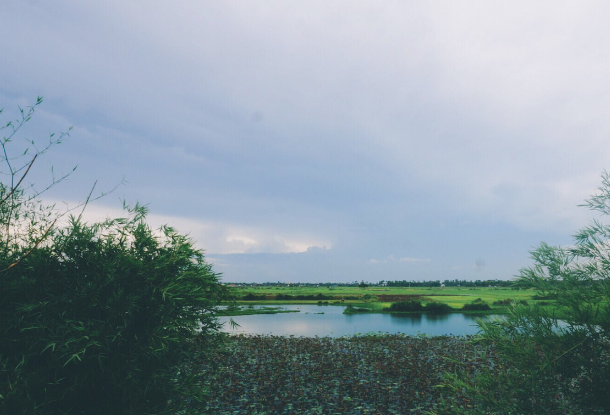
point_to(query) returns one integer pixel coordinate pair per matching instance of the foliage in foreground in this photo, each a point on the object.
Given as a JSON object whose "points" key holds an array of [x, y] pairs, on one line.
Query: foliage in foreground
{"points": [[104, 318], [385, 374], [555, 366]]}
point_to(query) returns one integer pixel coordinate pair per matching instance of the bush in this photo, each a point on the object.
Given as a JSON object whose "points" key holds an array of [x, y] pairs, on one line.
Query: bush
{"points": [[438, 308], [550, 366], [508, 301], [350, 309], [407, 306], [476, 306], [107, 318]]}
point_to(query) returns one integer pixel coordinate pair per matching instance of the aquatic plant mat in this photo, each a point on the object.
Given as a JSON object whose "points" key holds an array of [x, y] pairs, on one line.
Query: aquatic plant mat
{"points": [[389, 374]]}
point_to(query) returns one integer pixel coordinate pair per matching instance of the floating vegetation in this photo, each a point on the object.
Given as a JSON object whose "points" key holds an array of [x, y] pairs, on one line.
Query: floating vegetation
{"points": [[249, 310], [365, 374], [350, 309]]}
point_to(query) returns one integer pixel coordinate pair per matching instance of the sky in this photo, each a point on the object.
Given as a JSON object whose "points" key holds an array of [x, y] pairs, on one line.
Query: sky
{"points": [[323, 141]]}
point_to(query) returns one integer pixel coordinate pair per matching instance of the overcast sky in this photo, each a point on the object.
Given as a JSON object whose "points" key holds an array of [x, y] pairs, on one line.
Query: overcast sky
{"points": [[324, 141]]}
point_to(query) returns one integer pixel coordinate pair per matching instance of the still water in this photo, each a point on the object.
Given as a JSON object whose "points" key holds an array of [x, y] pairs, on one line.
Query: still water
{"points": [[334, 323]]}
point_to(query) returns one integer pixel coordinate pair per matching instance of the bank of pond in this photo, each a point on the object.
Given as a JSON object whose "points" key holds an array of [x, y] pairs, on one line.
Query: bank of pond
{"points": [[477, 305], [491, 300]]}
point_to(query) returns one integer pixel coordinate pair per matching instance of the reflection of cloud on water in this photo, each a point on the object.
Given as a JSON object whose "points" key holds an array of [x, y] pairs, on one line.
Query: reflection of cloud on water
{"points": [[437, 317], [301, 329], [333, 323]]}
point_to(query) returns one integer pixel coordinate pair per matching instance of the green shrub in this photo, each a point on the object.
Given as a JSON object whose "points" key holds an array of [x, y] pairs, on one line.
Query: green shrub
{"points": [[350, 309], [407, 306], [551, 366], [476, 306], [104, 318], [253, 297], [438, 308]]}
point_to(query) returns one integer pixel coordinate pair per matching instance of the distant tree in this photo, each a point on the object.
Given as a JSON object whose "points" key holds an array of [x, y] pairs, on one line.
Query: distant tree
{"points": [[363, 284], [550, 366]]}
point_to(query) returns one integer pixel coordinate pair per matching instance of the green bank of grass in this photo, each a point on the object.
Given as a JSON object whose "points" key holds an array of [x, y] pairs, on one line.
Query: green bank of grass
{"points": [[379, 299]]}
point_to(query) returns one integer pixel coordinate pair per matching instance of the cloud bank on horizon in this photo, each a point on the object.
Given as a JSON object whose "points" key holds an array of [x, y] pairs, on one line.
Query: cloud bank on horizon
{"points": [[325, 142]]}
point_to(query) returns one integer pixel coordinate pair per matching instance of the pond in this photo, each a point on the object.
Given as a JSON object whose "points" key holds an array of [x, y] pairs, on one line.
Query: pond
{"points": [[310, 323]]}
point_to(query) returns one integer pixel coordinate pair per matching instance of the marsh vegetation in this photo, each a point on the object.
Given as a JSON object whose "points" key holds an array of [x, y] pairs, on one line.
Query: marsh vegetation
{"points": [[364, 375]]}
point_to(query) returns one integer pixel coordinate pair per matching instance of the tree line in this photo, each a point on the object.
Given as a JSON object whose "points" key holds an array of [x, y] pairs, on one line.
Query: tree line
{"points": [[449, 283]]}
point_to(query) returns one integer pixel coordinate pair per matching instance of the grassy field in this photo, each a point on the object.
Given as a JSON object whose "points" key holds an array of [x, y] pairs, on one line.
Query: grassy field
{"points": [[379, 298]]}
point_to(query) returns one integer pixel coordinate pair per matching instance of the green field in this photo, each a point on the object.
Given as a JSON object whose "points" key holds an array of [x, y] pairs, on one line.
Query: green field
{"points": [[378, 298]]}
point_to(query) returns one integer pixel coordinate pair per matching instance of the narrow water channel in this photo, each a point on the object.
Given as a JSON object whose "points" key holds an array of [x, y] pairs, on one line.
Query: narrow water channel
{"points": [[314, 320]]}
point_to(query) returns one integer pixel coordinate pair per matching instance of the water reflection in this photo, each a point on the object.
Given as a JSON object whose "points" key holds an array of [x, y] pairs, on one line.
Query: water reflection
{"points": [[408, 319], [437, 317], [334, 323]]}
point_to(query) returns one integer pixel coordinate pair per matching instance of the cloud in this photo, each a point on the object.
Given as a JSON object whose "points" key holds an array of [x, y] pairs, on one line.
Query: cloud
{"points": [[414, 260], [217, 238], [342, 108], [365, 129], [391, 259]]}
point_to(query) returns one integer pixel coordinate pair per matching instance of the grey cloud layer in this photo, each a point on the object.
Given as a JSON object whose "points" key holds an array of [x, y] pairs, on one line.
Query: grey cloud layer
{"points": [[376, 129]]}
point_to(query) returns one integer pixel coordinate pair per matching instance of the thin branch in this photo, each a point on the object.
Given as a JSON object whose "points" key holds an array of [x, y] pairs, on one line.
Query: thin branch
{"points": [[19, 182], [86, 202], [53, 183], [24, 118]]}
